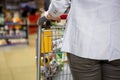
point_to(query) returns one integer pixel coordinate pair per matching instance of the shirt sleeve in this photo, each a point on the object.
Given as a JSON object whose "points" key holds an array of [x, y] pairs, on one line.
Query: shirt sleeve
{"points": [[58, 7]]}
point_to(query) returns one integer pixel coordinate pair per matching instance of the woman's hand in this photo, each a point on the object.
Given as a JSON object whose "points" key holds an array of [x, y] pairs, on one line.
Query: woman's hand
{"points": [[50, 17]]}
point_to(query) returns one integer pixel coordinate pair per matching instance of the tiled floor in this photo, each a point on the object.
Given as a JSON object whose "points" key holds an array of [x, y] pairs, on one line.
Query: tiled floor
{"points": [[18, 62]]}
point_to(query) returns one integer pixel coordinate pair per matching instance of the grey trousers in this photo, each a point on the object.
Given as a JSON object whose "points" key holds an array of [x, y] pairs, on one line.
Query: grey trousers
{"points": [[88, 69]]}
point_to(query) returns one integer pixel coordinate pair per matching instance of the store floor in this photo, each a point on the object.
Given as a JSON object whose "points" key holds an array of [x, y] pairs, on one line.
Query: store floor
{"points": [[18, 62]]}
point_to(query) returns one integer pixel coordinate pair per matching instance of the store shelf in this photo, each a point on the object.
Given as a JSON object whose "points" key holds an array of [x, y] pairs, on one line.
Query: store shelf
{"points": [[13, 34], [5, 45], [13, 37]]}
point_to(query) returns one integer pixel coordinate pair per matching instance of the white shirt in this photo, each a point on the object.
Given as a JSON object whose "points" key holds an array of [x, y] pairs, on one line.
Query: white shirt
{"points": [[93, 28]]}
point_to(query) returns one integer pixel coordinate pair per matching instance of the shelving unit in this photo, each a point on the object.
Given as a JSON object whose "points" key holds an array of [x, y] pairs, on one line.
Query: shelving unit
{"points": [[13, 34]]}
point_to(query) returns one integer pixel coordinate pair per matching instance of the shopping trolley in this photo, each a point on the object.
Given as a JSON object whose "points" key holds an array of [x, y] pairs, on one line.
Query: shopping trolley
{"points": [[52, 63]]}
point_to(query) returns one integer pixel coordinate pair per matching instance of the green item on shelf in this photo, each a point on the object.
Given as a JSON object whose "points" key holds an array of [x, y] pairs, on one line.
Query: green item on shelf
{"points": [[1, 19]]}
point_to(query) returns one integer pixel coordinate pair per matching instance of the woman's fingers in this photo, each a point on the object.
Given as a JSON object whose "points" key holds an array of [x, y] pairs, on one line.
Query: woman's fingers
{"points": [[59, 19], [50, 17]]}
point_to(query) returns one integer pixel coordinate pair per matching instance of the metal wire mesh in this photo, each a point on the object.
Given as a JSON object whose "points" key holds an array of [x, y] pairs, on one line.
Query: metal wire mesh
{"points": [[54, 64]]}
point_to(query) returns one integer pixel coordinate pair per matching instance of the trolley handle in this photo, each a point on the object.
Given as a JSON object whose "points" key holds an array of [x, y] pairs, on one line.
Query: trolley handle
{"points": [[38, 47], [42, 20]]}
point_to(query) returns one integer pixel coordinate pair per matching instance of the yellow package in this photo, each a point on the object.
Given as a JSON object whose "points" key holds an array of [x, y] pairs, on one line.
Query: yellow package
{"points": [[46, 42]]}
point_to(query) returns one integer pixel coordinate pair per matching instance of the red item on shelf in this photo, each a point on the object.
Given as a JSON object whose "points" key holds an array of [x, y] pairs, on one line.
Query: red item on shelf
{"points": [[33, 23], [33, 19], [10, 26]]}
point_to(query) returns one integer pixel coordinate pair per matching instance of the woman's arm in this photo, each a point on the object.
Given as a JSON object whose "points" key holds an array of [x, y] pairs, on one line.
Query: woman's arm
{"points": [[57, 7]]}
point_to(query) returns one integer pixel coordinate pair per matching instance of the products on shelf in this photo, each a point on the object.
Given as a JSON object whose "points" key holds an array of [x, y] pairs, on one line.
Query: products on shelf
{"points": [[13, 35], [16, 18], [2, 42], [14, 41], [9, 31], [1, 18], [12, 30]]}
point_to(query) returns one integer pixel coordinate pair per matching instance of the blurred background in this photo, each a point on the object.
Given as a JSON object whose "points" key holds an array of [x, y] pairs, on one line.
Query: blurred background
{"points": [[18, 27]]}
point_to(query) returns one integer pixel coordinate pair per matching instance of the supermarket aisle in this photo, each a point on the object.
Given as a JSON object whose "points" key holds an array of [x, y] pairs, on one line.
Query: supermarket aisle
{"points": [[18, 62]]}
